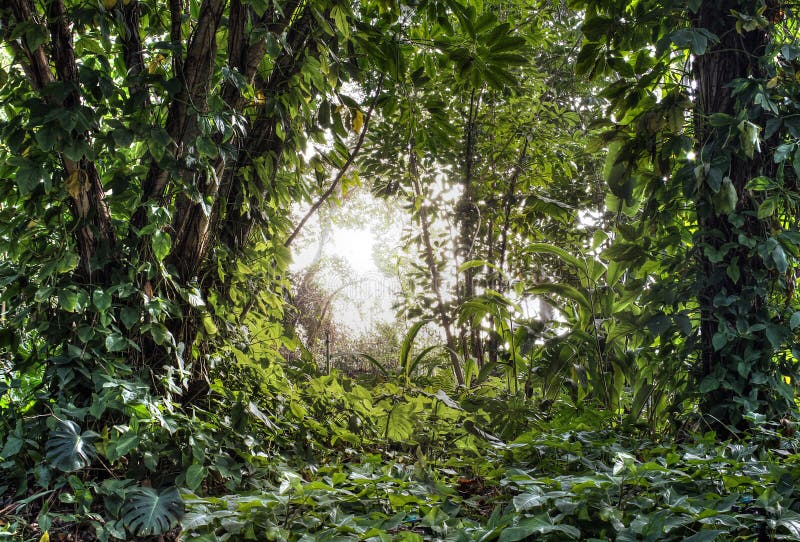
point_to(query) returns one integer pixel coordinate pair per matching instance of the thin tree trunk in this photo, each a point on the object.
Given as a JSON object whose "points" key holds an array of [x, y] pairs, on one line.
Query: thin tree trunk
{"points": [[468, 217], [430, 259]]}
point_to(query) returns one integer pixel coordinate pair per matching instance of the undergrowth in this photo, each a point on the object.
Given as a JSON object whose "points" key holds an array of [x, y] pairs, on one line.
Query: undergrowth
{"points": [[290, 457]]}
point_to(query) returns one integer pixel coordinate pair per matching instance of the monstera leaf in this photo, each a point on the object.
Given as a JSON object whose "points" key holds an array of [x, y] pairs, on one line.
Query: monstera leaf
{"points": [[68, 449], [149, 512]]}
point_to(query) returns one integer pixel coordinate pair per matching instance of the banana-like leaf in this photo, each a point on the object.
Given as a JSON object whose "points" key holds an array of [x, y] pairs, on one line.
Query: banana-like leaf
{"points": [[405, 346], [478, 263], [564, 290], [68, 449], [418, 358], [149, 512], [375, 362], [563, 255]]}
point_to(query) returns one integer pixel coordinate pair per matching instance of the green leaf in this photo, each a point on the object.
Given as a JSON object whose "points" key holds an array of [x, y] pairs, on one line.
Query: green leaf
{"points": [[122, 445], [102, 299], [733, 271], [207, 147], [28, 177], [68, 449], [719, 341], [531, 499], [776, 335], [794, 321], [116, 343], [708, 384], [563, 290], [195, 475], [162, 243], [47, 138], [760, 183], [563, 255], [766, 209], [68, 300], [148, 512], [537, 525], [779, 257], [209, 325], [406, 345], [704, 536], [129, 317], [659, 324], [725, 200]]}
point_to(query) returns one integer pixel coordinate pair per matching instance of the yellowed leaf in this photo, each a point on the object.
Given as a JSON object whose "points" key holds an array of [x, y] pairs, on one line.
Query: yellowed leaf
{"points": [[73, 184], [772, 83], [45, 537], [109, 4], [358, 121], [155, 63]]}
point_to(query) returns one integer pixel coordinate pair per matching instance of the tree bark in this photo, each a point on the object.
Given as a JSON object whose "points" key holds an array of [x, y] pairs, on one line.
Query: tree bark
{"points": [[734, 57], [94, 234]]}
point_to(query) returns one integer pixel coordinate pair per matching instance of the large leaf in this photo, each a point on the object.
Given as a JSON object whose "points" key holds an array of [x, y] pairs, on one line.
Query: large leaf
{"points": [[149, 512], [563, 255], [564, 290], [537, 525], [68, 449]]}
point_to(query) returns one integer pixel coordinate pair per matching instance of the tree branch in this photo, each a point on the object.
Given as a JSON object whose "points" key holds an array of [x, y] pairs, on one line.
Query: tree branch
{"points": [[350, 159]]}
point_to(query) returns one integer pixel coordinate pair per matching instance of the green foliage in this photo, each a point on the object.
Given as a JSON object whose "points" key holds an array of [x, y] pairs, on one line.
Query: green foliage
{"points": [[687, 183]]}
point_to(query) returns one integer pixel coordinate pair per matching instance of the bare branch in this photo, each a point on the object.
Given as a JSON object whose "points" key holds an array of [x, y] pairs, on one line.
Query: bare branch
{"points": [[350, 159]]}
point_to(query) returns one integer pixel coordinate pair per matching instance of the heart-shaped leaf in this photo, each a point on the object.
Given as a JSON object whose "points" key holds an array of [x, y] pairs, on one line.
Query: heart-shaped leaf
{"points": [[68, 449]]}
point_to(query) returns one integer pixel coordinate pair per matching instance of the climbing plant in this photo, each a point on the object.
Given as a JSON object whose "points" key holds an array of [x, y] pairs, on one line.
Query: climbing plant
{"points": [[703, 171]]}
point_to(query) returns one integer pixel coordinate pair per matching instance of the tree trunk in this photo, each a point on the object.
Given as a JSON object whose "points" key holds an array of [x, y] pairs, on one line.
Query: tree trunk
{"points": [[445, 319], [736, 56]]}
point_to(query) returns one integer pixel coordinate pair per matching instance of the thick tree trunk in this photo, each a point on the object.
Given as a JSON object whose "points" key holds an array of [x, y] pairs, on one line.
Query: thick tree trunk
{"points": [[94, 234], [734, 57]]}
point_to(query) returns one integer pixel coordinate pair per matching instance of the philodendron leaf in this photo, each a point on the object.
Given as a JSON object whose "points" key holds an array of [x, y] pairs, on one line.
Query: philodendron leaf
{"points": [[68, 449], [149, 512]]}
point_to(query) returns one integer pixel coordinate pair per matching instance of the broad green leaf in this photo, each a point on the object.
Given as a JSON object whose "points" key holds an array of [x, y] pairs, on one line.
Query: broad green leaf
{"points": [[116, 343], [719, 341], [766, 209], [195, 475], [68, 449], [725, 200], [148, 512], [540, 525], [162, 244], [564, 290], [707, 535], [102, 299], [566, 257], [531, 499]]}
